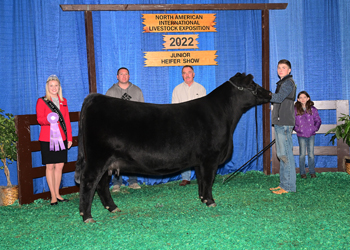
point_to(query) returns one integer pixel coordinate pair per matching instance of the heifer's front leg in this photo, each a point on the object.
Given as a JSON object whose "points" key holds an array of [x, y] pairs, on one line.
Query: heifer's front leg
{"points": [[105, 196]]}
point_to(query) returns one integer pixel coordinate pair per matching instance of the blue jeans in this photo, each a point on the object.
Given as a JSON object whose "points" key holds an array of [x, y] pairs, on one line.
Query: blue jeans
{"points": [[118, 180], [306, 143], [186, 175], [284, 148]]}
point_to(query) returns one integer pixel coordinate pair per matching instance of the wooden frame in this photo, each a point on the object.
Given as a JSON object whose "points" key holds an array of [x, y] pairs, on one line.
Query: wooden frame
{"points": [[340, 150], [26, 173], [88, 8]]}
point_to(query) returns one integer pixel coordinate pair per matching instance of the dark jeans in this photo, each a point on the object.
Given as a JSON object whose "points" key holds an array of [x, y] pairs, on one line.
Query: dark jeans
{"points": [[118, 180], [306, 143]]}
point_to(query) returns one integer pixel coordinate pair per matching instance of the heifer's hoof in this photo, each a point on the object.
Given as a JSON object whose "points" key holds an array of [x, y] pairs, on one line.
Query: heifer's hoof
{"points": [[81, 213], [90, 220], [116, 210], [212, 205]]}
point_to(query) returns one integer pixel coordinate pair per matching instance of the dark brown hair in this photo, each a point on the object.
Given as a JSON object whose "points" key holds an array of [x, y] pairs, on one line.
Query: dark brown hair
{"points": [[285, 61], [308, 104], [122, 68]]}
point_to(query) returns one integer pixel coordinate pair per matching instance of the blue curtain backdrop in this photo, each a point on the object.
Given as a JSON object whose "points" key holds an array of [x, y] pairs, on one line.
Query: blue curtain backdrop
{"points": [[39, 39]]}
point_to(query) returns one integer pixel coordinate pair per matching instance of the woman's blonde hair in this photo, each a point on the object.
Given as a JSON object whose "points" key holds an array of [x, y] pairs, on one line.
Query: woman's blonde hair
{"points": [[53, 78]]}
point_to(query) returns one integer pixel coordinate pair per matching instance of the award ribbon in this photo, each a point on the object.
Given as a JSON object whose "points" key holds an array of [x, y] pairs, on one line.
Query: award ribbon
{"points": [[55, 134]]}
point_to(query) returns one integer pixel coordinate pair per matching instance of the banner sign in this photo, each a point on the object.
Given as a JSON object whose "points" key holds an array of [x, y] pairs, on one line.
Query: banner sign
{"points": [[180, 58], [179, 22], [180, 41]]}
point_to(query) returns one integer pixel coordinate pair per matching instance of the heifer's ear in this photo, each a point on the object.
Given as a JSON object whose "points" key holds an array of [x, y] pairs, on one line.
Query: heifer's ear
{"points": [[248, 79], [238, 74], [250, 75]]}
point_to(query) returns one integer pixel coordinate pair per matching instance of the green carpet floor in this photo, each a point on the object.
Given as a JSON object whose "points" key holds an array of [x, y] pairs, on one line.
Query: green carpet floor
{"points": [[167, 216]]}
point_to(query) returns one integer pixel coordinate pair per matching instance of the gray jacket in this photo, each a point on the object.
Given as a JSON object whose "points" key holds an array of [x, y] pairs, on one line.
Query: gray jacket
{"points": [[283, 102], [132, 93]]}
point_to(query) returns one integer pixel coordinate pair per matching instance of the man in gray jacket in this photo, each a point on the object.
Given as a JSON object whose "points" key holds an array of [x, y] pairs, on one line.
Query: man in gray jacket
{"points": [[283, 120], [124, 89]]}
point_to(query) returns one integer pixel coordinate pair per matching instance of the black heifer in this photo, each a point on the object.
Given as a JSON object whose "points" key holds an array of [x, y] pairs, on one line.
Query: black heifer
{"points": [[158, 139]]}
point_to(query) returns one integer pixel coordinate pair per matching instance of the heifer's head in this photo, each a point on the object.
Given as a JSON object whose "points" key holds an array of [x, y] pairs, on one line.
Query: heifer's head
{"points": [[251, 91]]}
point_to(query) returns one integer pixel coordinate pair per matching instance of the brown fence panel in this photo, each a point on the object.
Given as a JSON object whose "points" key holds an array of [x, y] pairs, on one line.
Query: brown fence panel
{"points": [[26, 173], [340, 150]]}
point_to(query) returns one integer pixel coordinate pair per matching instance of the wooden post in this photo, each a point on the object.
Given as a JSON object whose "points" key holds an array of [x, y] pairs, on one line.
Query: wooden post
{"points": [[266, 85], [90, 51], [342, 147], [24, 157]]}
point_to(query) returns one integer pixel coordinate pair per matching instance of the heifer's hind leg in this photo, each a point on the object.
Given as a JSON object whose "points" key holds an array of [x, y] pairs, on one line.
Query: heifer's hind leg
{"points": [[87, 191], [208, 175], [90, 178], [199, 181], [105, 195]]}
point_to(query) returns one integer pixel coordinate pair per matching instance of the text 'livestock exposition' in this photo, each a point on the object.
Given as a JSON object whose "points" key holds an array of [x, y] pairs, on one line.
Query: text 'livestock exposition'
{"points": [[179, 23]]}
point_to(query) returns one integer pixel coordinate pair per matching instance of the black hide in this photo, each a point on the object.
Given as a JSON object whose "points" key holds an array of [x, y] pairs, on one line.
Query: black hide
{"points": [[159, 139]]}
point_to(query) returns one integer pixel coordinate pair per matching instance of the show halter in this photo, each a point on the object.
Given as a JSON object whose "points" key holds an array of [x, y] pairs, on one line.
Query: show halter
{"points": [[254, 92]]}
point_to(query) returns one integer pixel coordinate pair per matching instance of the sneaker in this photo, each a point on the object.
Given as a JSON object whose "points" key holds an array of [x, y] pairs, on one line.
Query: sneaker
{"points": [[303, 176], [135, 186], [116, 188], [313, 175]]}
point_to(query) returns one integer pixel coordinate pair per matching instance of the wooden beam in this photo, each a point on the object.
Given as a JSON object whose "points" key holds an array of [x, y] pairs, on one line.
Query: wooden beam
{"points": [[162, 7], [90, 51], [319, 150], [47, 195], [318, 170], [39, 172], [266, 85]]}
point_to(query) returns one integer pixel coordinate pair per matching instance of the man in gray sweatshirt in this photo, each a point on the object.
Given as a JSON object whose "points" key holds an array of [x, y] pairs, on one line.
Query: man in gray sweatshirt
{"points": [[125, 90]]}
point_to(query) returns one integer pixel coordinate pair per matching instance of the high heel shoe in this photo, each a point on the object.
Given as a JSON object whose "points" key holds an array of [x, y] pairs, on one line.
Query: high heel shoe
{"points": [[54, 203], [64, 200]]}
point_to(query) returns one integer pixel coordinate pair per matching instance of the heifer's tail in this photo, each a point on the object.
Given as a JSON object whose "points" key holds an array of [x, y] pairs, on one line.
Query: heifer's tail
{"points": [[80, 164]]}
